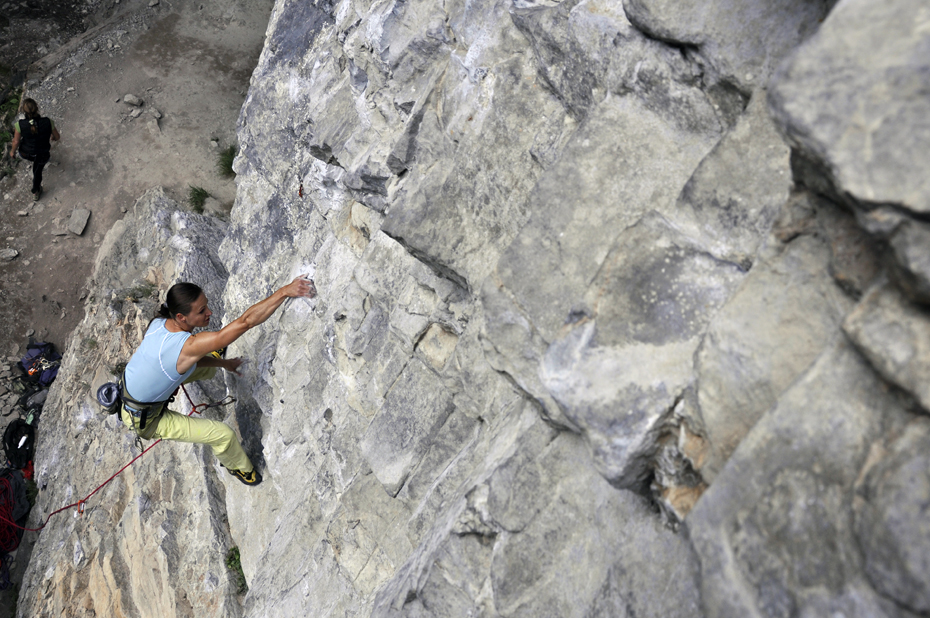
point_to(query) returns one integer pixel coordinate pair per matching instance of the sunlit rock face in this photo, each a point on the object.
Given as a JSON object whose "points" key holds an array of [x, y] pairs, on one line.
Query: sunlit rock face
{"points": [[621, 313]]}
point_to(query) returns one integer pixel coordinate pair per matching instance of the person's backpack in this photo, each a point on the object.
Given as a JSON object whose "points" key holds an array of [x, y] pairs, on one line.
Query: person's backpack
{"points": [[41, 363], [19, 443]]}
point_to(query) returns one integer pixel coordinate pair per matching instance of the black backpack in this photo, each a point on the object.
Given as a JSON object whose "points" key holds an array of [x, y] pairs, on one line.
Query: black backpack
{"points": [[19, 443], [40, 364]]}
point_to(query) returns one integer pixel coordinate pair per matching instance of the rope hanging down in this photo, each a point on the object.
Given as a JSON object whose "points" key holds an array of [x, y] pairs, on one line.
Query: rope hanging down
{"points": [[81, 503]]}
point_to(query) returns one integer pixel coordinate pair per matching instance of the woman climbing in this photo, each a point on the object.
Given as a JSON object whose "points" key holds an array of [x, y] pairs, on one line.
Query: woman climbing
{"points": [[32, 136], [171, 355]]}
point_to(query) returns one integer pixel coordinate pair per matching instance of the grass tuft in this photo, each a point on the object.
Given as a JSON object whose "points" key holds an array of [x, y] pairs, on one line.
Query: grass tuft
{"points": [[235, 565], [225, 161], [196, 198]]}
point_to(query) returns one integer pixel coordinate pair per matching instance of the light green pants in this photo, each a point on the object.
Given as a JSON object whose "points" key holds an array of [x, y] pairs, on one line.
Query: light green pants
{"points": [[174, 426]]}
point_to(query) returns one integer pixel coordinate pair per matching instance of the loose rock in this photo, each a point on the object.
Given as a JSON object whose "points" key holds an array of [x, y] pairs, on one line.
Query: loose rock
{"points": [[78, 222]]}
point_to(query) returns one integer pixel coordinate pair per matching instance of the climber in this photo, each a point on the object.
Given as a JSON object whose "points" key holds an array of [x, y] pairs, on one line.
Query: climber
{"points": [[32, 136], [171, 355]]}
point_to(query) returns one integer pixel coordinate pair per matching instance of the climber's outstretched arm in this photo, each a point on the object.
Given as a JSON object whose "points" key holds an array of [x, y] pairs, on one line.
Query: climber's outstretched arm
{"points": [[199, 345]]}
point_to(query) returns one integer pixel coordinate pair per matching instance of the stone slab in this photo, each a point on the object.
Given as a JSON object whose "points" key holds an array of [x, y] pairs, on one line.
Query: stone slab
{"points": [[78, 221]]}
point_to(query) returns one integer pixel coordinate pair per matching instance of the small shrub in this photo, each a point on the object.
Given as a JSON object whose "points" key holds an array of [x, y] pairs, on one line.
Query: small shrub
{"points": [[10, 107], [90, 344], [225, 161], [196, 198], [235, 565]]}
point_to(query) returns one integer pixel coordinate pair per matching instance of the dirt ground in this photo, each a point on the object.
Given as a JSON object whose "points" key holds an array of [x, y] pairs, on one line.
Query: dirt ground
{"points": [[190, 60]]}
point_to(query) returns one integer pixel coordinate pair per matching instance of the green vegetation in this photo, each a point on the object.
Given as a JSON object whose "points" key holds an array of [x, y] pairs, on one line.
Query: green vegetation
{"points": [[225, 162], [196, 198], [143, 290], [8, 110], [90, 344], [32, 491], [233, 564], [10, 106]]}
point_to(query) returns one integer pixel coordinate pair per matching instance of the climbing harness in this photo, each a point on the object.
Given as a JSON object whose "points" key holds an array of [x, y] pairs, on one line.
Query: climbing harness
{"points": [[81, 504]]}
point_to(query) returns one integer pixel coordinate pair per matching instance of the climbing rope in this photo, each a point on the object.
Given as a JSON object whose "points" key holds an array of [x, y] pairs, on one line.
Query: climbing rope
{"points": [[6, 517]]}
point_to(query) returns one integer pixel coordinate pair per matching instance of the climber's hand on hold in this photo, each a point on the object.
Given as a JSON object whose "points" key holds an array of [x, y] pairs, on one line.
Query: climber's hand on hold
{"points": [[300, 286], [232, 365]]}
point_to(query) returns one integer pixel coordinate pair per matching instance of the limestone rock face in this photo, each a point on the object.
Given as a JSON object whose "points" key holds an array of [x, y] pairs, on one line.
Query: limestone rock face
{"points": [[854, 99], [891, 529], [153, 541], [895, 336], [741, 41], [621, 312], [773, 530]]}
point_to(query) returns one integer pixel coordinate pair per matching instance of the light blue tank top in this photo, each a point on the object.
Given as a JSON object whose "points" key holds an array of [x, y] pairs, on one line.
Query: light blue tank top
{"points": [[152, 373]]}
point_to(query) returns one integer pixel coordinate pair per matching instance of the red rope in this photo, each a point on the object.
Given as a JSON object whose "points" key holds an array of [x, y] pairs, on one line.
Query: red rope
{"points": [[80, 503]]}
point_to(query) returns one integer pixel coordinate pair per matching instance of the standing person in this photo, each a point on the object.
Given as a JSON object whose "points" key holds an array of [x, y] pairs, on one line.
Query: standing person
{"points": [[32, 136], [171, 355]]}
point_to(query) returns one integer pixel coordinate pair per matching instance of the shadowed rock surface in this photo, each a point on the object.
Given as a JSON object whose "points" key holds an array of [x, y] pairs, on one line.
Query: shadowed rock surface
{"points": [[621, 313]]}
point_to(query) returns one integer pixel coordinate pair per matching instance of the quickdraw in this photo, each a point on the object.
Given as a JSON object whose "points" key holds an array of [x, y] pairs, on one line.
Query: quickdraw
{"points": [[206, 406]]}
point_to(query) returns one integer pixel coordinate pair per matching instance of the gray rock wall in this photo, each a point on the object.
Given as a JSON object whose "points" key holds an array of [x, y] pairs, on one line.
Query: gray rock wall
{"points": [[154, 540], [622, 312]]}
